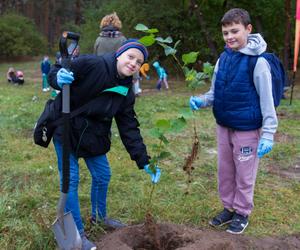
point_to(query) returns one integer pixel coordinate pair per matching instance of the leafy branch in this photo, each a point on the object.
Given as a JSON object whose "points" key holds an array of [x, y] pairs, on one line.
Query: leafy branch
{"points": [[193, 78]]}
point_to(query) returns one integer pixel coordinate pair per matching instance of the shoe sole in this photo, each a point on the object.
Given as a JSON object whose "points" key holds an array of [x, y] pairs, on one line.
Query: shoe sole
{"points": [[223, 224], [232, 232]]}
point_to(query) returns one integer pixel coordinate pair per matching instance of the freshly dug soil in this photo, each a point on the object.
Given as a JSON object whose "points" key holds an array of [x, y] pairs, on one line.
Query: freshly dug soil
{"points": [[180, 237]]}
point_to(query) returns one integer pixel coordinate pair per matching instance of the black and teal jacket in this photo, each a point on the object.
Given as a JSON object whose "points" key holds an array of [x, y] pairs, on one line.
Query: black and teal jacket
{"points": [[91, 130]]}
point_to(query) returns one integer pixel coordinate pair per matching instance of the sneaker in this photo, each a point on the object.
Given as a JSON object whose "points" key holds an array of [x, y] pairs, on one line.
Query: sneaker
{"points": [[86, 244], [238, 224], [108, 223], [222, 218]]}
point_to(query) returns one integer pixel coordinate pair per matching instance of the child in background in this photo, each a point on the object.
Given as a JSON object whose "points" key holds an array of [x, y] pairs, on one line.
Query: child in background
{"points": [[20, 77], [45, 68], [244, 110], [144, 69], [162, 75], [11, 75], [14, 77]]}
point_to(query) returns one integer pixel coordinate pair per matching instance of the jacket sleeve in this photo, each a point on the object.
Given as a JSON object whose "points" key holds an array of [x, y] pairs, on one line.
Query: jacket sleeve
{"points": [[80, 66], [128, 126], [263, 83]]}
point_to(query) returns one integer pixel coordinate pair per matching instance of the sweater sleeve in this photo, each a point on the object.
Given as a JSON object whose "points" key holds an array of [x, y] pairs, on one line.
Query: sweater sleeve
{"points": [[208, 97], [263, 83]]}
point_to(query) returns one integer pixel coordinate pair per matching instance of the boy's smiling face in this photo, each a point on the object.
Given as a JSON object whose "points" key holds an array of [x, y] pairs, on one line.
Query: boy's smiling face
{"points": [[235, 35], [129, 62]]}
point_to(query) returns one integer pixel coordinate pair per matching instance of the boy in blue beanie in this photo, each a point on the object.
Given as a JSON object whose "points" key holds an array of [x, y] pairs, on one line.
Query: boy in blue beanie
{"points": [[244, 110], [103, 83]]}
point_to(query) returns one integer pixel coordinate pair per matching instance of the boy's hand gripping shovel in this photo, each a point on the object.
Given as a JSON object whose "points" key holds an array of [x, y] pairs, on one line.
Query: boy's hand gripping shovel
{"points": [[64, 227]]}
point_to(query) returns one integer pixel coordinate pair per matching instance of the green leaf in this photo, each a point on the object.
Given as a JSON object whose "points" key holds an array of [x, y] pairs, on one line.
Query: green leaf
{"points": [[164, 139], [141, 27], [190, 75], [186, 113], [178, 124], [170, 51], [152, 31], [167, 40], [147, 40], [189, 58], [201, 76], [208, 69], [163, 124], [155, 132], [144, 28], [164, 155]]}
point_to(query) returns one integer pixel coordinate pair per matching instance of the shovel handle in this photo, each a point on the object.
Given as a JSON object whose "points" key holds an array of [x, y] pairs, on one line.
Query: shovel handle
{"points": [[66, 63]]}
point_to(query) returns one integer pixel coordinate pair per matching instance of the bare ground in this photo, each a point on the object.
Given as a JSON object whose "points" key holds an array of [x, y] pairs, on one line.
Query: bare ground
{"points": [[171, 236]]}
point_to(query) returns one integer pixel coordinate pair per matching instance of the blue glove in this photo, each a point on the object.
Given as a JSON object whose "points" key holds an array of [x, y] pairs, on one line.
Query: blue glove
{"points": [[195, 102], [264, 147], [148, 77], [154, 175], [64, 77]]}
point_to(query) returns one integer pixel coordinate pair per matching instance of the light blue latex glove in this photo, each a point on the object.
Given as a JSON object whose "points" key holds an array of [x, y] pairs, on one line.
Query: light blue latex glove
{"points": [[195, 102], [264, 147], [148, 77], [154, 176], [64, 77]]}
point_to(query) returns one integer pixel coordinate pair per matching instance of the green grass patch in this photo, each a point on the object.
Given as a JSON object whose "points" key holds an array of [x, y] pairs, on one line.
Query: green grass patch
{"points": [[29, 184]]}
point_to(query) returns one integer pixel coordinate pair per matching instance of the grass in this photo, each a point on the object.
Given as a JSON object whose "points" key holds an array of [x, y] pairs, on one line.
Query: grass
{"points": [[29, 185]]}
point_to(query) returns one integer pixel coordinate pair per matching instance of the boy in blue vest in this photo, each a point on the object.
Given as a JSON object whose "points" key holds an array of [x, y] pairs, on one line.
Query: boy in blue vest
{"points": [[245, 114]]}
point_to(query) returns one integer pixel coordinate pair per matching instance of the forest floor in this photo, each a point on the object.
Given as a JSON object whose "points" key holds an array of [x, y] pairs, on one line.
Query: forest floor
{"points": [[166, 236], [172, 236]]}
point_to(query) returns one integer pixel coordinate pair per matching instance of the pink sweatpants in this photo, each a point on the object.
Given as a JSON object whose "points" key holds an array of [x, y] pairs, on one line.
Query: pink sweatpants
{"points": [[237, 168]]}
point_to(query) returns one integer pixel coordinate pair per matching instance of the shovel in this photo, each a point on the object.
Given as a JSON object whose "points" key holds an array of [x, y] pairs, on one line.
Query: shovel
{"points": [[64, 227]]}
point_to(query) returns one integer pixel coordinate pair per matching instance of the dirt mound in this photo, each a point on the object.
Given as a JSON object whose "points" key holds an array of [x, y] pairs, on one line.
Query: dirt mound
{"points": [[179, 237]]}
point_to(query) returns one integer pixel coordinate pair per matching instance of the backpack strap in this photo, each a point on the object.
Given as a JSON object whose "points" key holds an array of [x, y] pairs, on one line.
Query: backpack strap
{"points": [[252, 64], [122, 90]]}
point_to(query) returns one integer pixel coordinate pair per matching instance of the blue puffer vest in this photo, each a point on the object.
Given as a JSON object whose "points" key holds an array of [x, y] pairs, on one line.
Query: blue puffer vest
{"points": [[236, 102]]}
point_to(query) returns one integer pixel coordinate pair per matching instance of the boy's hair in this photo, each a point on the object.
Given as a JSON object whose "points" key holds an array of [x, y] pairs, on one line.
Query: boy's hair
{"points": [[236, 15], [111, 19]]}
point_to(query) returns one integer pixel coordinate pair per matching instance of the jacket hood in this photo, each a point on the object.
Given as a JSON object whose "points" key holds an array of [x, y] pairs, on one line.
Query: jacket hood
{"points": [[256, 45]]}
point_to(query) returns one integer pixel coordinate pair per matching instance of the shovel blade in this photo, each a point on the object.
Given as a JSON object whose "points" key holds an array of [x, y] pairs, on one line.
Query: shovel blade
{"points": [[66, 233]]}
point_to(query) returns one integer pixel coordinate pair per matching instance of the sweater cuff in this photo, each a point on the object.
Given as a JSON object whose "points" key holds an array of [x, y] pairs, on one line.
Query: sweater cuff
{"points": [[268, 136]]}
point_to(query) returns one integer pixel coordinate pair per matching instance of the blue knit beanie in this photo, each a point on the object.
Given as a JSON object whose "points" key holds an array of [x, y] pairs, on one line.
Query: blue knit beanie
{"points": [[132, 43]]}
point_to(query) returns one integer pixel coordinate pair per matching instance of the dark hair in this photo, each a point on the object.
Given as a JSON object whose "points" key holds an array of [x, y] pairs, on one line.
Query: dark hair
{"points": [[236, 15]]}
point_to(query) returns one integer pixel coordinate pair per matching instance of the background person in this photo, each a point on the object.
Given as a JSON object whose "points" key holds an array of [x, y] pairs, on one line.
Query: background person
{"points": [[110, 37], [15, 77], [162, 76], [45, 68]]}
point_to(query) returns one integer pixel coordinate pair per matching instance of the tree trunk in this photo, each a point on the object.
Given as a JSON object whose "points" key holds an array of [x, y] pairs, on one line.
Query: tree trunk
{"points": [[210, 43], [78, 12], [287, 37]]}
